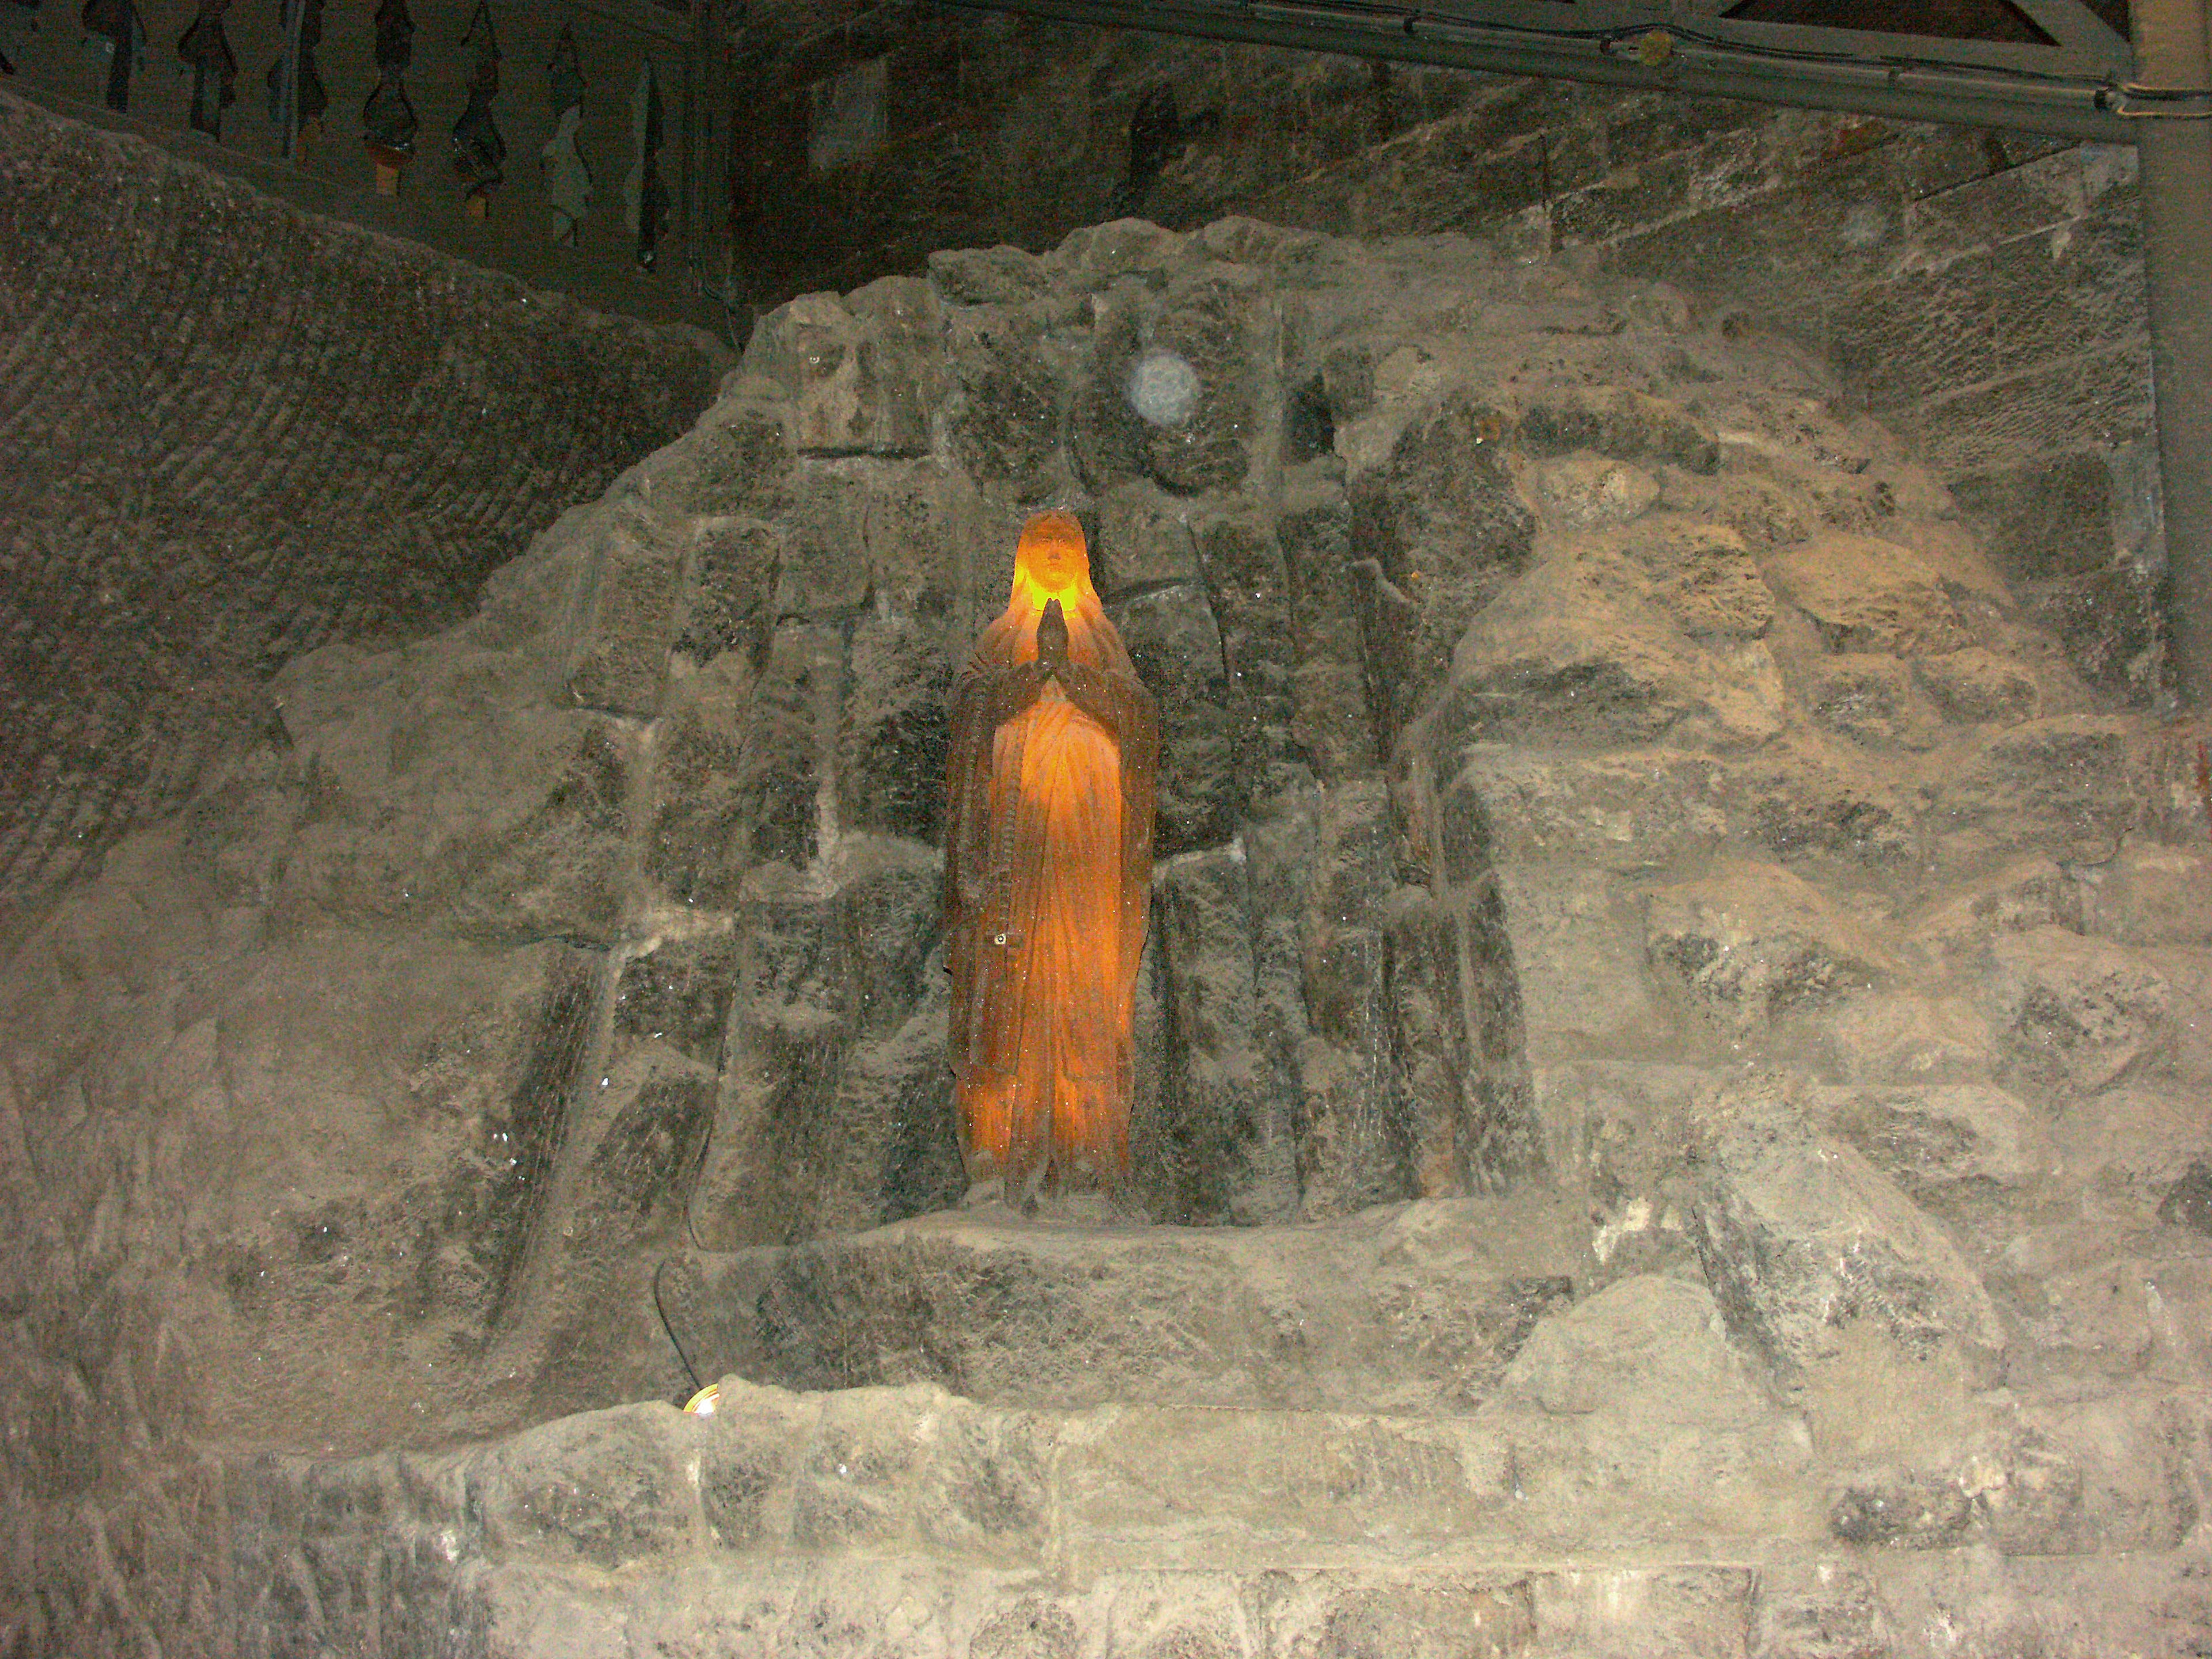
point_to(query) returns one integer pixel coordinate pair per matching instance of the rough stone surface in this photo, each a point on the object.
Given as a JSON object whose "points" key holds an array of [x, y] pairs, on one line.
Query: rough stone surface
{"points": [[1666, 1086], [208, 476], [1415, 1309]]}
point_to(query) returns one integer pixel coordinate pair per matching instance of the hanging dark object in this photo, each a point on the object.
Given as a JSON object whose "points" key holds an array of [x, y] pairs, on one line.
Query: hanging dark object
{"points": [[564, 74], [479, 152], [206, 47], [387, 117], [118, 22], [296, 96], [568, 176], [645, 196]]}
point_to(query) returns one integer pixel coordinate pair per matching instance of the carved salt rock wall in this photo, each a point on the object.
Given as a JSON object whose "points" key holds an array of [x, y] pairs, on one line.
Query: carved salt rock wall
{"points": [[1599, 773]]}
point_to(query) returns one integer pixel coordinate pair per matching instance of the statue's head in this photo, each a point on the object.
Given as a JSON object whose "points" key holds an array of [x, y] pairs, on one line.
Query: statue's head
{"points": [[1051, 561]]}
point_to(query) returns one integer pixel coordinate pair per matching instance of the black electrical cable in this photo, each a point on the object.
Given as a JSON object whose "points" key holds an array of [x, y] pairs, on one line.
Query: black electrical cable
{"points": [[669, 1330], [691, 1233]]}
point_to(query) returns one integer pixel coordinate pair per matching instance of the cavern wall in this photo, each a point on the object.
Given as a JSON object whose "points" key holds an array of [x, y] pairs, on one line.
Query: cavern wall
{"points": [[1670, 1051], [233, 434]]}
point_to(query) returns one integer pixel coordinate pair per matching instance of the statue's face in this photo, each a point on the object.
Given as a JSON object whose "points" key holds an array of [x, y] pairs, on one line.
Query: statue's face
{"points": [[1052, 553], [1056, 565]]}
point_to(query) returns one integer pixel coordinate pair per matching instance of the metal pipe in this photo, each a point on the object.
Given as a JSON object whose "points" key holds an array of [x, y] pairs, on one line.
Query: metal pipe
{"points": [[2079, 107], [2172, 50]]}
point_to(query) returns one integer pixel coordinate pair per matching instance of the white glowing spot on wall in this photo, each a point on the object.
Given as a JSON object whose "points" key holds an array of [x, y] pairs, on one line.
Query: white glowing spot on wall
{"points": [[1162, 388]]}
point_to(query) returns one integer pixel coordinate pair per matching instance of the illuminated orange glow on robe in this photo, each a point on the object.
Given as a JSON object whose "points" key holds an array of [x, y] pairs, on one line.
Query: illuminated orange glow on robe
{"points": [[1048, 878]]}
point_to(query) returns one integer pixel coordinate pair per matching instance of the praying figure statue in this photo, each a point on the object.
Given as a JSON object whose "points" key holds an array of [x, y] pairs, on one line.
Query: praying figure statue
{"points": [[1048, 878]]}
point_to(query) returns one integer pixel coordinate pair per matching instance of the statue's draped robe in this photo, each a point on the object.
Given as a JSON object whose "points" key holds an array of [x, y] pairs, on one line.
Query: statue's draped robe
{"points": [[1048, 881]]}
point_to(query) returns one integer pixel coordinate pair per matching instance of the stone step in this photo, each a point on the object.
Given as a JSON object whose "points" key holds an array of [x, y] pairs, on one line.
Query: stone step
{"points": [[1627, 1487], [1626, 1426], [1630, 1445], [1413, 1308]]}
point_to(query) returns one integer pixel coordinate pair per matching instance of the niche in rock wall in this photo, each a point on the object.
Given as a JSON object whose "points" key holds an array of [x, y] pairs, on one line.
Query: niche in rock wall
{"points": [[1328, 1008]]}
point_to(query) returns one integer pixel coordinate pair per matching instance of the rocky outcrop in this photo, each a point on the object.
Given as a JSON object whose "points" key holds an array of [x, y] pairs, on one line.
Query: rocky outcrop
{"points": [[1676, 1007]]}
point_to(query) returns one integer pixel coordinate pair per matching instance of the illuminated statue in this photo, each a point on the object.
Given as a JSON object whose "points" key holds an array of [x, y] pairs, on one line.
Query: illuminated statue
{"points": [[1048, 861]]}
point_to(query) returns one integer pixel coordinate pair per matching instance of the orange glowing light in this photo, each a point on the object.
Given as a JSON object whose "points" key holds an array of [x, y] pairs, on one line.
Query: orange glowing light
{"points": [[1048, 855]]}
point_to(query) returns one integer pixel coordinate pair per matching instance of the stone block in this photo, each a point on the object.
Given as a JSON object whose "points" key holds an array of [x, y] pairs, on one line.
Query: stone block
{"points": [[1584, 491], [2060, 786], [1803, 1239], [2049, 520], [2077, 1013], [1766, 512], [1993, 313], [836, 1109], [678, 993], [895, 731], [1122, 247], [1579, 955], [2099, 401], [698, 840], [1806, 801], [601, 1490], [638, 1177], [1104, 429], [1220, 1099], [1870, 595], [1144, 541], [1753, 943], [1642, 124], [1331, 721], [1211, 322], [1246, 1487], [1207, 750], [1827, 1609], [1353, 1149], [1249, 591], [1973, 685], [1635, 810], [1700, 574], [1906, 1036], [1622, 1613], [1565, 658], [1624, 424], [2057, 1483], [1005, 424], [863, 374], [734, 563], [739, 457], [1870, 697], [1446, 530], [748, 1451], [630, 611], [785, 744], [1951, 1147], [823, 570], [1633, 1401], [994, 275], [2108, 624]]}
